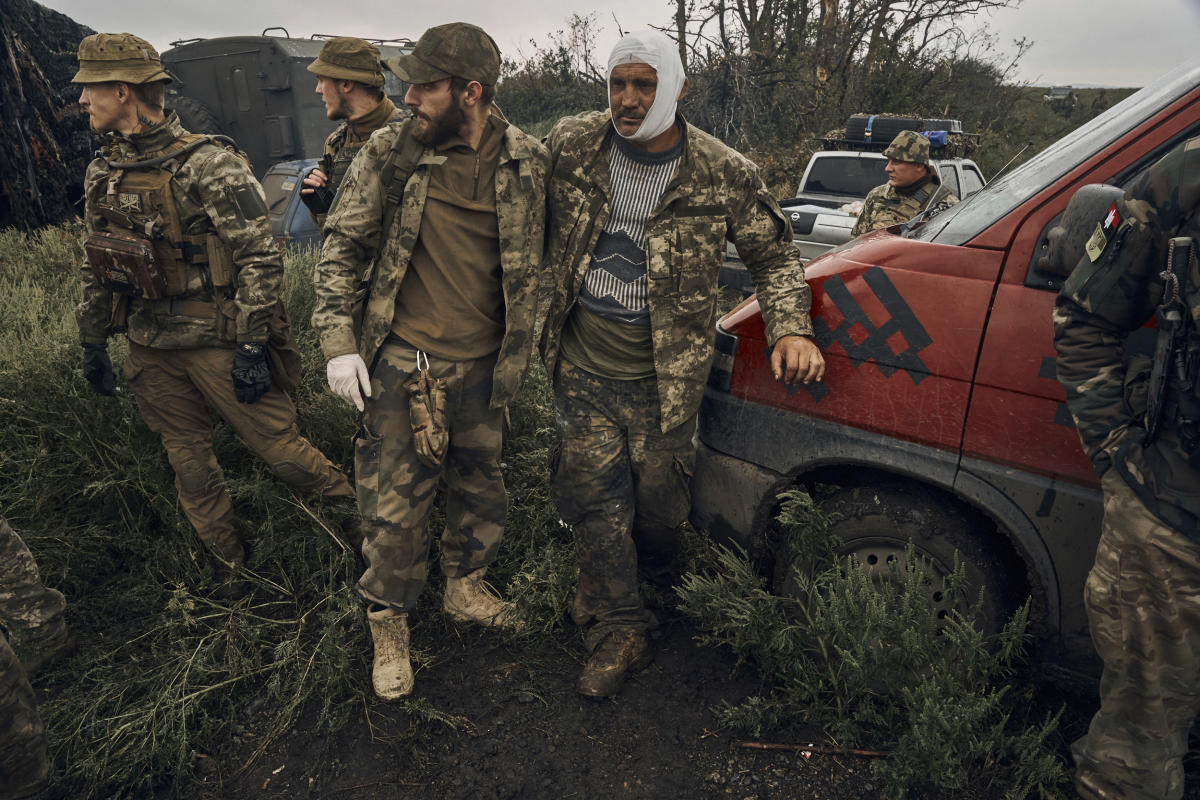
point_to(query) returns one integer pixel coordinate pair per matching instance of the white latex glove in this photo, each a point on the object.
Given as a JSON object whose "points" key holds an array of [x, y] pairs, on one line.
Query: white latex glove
{"points": [[346, 374]]}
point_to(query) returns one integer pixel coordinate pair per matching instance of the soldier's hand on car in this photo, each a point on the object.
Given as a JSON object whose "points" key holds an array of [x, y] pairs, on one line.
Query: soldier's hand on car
{"points": [[97, 368], [347, 376], [313, 180], [251, 374], [797, 359]]}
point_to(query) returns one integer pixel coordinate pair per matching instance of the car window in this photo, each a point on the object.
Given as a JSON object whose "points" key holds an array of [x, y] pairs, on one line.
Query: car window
{"points": [[849, 174], [972, 181], [278, 187], [950, 179]]}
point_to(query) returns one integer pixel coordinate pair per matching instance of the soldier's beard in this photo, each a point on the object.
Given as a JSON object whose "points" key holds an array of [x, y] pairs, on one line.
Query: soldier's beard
{"points": [[433, 131], [340, 111]]}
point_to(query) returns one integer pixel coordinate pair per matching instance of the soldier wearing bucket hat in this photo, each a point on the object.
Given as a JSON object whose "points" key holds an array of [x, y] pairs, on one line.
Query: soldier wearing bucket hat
{"points": [[350, 82], [441, 340], [181, 259], [913, 186]]}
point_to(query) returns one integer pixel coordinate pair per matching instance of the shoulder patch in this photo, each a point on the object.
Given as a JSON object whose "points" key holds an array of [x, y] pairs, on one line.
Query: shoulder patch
{"points": [[248, 201]]}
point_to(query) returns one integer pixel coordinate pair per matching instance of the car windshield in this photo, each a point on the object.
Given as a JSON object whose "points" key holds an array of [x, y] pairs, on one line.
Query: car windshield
{"points": [[963, 222], [848, 174]]}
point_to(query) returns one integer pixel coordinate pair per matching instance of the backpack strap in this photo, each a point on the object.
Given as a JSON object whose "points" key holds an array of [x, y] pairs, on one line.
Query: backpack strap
{"points": [[402, 160]]}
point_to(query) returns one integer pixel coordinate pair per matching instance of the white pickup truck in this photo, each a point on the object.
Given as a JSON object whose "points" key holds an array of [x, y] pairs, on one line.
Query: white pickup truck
{"points": [[829, 197]]}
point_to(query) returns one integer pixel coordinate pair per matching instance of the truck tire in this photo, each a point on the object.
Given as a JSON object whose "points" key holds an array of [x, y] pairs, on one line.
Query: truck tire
{"points": [[194, 115], [875, 525]]}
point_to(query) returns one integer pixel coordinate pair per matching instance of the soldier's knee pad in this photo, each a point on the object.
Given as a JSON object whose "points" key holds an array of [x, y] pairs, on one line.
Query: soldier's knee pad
{"points": [[196, 475]]}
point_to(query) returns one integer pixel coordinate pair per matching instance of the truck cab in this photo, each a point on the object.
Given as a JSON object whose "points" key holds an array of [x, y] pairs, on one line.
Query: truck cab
{"points": [[940, 418]]}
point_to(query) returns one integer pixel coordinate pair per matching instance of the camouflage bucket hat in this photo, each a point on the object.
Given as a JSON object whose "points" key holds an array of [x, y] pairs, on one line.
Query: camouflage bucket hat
{"points": [[121, 57], [349, 59], [909, 146], [456, 49]]}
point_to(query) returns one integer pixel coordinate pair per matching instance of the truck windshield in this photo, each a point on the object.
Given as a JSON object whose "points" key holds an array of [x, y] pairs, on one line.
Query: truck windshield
{"points": [[969, 218], [848, 174]]}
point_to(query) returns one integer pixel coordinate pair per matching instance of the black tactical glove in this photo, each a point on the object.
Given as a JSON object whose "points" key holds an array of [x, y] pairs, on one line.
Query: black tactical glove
{"points": [[250, 373], [97, 368], [319, 200]]}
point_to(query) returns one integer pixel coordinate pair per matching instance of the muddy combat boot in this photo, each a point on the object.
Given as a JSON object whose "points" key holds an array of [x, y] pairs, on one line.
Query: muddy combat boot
{"points": [[471, 599], [37, 647], [620, 653], [391, 673]]}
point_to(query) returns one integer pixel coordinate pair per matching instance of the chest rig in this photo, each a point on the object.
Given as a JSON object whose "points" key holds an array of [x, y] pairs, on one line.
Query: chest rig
{"points": [[139, 248]]}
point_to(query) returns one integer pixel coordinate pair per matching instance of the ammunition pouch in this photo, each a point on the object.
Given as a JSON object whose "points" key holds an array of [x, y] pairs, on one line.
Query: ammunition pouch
{"points": [[124, 263]]}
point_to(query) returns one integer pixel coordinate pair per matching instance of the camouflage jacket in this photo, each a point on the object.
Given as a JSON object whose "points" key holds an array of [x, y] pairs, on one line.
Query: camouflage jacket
{"points": [[214, 191], [348, 138], [348, 256], [714, 195], [1099, 306], [885, 206]]}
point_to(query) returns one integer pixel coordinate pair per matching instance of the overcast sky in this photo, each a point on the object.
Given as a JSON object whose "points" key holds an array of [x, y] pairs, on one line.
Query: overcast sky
{"points": [[1106, 42]]}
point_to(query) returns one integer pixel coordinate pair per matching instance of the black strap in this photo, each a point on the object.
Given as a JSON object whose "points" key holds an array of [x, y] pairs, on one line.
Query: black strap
{"points": [[401, 162]]}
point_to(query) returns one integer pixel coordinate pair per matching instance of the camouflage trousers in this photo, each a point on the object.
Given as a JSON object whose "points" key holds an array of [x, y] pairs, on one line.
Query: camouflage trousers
{"points": [[174, 390], [396, 490], [618, 481], [1143, 605], [25, 603], [22, 736]]}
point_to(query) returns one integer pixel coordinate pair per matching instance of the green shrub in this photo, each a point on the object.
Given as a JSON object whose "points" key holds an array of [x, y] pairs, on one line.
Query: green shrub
{"points": [[869, 662]]}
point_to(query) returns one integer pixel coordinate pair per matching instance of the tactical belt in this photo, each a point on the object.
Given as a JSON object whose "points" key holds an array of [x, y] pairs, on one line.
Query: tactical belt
{"points": [[175, 307]]}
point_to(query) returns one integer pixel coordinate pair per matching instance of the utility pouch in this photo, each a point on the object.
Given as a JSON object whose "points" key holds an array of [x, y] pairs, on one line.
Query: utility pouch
{"points": [[427, 414], [124, 263]]}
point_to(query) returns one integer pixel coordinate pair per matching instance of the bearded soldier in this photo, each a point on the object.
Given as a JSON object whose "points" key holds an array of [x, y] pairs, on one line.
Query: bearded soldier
{"points": [[350, 82], [641, 204], [180, 257], [913, 186], [426, 296], [1139, 421]]}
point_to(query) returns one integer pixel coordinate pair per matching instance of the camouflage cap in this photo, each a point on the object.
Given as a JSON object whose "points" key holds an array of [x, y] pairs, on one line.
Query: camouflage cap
{"points": [[457, 49], [121, 57], [909, 146], [350, 59]]}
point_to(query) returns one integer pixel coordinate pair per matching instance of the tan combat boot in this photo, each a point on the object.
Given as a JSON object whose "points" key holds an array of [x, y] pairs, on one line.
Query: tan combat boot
{"points": [[620, 653], [391, 673], [471, 599]]}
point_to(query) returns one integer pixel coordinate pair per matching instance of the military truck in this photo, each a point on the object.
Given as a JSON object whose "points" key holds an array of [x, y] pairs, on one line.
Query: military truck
{"points": [[258, 90]]}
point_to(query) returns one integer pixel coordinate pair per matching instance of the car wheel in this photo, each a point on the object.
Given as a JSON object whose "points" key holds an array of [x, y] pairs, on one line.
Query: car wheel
{"points": [[875, 526]]}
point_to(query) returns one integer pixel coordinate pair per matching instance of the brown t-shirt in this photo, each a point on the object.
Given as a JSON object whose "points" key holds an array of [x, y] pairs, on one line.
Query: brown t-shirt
{"points": [[451, 303]]}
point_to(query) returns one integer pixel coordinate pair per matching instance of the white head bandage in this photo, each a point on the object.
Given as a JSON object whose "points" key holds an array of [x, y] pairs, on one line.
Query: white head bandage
{"points": [[655, 49]]}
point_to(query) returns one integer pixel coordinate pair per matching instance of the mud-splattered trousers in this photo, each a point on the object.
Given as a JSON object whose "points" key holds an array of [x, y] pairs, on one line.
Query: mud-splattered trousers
{"points": [[396, 489], [25, 604], [618, 479], [174, 390], [1143, 605]]}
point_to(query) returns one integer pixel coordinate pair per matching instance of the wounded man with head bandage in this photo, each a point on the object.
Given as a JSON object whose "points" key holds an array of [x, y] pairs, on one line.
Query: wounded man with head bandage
{"points": [[640, 206]]}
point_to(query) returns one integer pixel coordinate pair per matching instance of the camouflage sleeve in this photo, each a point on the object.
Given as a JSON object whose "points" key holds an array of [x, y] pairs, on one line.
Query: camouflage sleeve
{"points": [[351, 237], [763, 238], [94, 311], [866, 217], [237, 208], [1104, 300]]}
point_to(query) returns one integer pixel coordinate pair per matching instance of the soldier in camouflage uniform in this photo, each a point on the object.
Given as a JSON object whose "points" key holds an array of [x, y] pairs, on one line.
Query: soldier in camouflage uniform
{"points": [[641, 204], [913, 186], [429, 275], [203, 313], [32, 617], [1143, 593], [350, 82]]}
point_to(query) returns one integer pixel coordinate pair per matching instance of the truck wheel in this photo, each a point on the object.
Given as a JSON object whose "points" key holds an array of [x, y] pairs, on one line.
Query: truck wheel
{"points": [[194, 115], [875, 525]]}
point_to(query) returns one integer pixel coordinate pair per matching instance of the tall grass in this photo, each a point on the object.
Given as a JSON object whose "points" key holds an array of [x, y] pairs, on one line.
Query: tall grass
{"points": [[165, 670]]}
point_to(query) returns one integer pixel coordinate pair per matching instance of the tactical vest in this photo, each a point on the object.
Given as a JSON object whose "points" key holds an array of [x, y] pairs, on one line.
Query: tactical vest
{"points": [[138, 247], [336, 162]]}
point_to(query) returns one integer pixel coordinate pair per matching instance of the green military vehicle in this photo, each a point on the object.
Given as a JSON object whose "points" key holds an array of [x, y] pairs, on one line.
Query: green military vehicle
{"points": [[257, 90]]}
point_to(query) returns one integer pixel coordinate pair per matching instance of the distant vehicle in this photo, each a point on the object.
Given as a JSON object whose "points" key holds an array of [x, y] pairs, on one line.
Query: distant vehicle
{"points": [[1061, 99], [834, 179], [940, 418], [258, 90], [291, 222]]}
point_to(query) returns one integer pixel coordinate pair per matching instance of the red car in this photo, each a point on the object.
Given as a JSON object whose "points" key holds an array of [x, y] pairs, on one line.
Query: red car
{"points": [[940, 418]]}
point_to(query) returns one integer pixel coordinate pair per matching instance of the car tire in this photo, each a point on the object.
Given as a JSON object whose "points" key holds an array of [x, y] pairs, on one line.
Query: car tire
{"points": [[875, 525], [194, 115]]}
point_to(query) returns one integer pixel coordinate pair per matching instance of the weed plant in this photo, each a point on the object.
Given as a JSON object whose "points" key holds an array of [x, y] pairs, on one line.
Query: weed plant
{"points": [[166, 672], [867, 660]]}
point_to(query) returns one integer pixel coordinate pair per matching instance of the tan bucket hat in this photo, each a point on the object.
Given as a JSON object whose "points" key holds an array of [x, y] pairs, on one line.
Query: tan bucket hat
{"points": [[349, 59], [105, 57]]}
